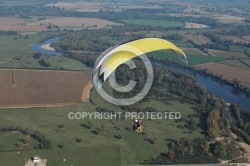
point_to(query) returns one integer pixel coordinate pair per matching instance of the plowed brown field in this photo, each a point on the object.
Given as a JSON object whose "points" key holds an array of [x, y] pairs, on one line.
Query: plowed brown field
{"points": [[228, 72], [30, 88]]}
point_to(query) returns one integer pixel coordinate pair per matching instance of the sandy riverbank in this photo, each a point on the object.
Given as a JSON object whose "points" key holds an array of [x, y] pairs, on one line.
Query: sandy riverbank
{"points": [[47, 47]]}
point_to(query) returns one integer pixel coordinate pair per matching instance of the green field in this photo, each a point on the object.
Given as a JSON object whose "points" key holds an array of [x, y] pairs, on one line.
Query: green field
{"points": [[193, 59], [245, 61], [195, 31], [235, 48], [152, 34], [163, 23], [228, 54], [98, 156], [16, 53], [183, 44], [248, 51], [162, 129], [133, 148], [47, 122], [195, 52]]}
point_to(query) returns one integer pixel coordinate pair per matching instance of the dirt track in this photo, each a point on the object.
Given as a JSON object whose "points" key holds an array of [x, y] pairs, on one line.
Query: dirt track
{"points": [[244, 145], [86, 92]]}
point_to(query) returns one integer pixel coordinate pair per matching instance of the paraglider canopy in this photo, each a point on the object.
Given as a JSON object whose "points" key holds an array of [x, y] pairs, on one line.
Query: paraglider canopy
{"points": [[120, 54]]}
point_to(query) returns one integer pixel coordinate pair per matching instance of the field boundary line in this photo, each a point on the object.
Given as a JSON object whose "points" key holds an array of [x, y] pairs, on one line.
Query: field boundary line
{"points": [[244, 62], [38, 105]]}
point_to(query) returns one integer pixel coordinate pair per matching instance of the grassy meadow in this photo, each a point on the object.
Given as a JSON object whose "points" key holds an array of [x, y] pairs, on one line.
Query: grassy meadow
{"points": [[193, 59], [105, 146], [16, 53]]}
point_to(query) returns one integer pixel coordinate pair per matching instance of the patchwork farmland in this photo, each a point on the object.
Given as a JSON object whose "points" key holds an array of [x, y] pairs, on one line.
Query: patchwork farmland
{"points": [[97, 6], [36, 25]]}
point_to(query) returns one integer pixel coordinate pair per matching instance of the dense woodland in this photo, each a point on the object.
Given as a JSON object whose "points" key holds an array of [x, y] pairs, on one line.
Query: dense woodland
{"points": [[96, 40], [185, 152]]}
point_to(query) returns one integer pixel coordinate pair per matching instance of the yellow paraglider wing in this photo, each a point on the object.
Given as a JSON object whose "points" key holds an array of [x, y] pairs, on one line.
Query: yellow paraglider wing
{"points": [[127, 51]]}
